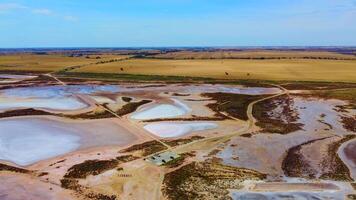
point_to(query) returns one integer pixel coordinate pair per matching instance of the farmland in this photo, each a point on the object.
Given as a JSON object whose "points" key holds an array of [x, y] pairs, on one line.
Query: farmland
{"points": [[299, 69], [172, 124], [49, 63], [318, 66]]}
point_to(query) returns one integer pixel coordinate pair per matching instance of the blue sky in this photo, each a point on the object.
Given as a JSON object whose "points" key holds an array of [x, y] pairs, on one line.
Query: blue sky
{"points": [[141, 23]]}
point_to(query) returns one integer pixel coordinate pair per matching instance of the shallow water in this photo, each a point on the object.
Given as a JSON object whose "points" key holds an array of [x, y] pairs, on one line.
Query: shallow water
{"points": [[286, 196], [347, 153], [13, 76], [267, 151], [32, 141], [49, 97], [162, 111], [311, 113], [171, 129], [58, 91], [57, 103], [27, 140], [236, 89]]}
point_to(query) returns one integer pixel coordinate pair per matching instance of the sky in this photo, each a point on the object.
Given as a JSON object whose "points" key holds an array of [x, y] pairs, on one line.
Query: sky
{"points": [[174, 23]]}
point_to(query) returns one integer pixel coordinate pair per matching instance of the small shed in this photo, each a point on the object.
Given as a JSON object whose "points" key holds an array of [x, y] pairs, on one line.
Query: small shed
{"points": [[162, 158]]}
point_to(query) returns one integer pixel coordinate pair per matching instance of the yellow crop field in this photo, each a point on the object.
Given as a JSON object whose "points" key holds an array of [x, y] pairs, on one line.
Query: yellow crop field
{"points": [[29, 62], [295, 69], [255, 54]]}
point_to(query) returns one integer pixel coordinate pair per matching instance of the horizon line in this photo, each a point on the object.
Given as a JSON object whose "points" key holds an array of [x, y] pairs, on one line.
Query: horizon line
{"points": [[172, 47]]}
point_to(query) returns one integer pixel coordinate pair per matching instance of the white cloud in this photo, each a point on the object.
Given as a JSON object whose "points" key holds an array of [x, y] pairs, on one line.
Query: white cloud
{"points": [[42, 11], [8, 7], [4, 7]]}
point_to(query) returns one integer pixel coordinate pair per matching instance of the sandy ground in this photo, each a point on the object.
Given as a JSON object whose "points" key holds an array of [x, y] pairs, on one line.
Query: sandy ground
{"points": [[18, 187]]}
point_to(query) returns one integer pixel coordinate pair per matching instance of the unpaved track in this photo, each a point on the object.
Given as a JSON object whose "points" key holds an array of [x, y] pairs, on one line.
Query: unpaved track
{"points": [[208, 143], [248, 128]]}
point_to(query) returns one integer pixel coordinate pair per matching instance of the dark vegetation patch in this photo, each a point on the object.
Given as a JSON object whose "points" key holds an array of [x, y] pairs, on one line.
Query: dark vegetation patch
{"points": [[182, 141], [233, 104], [152, 147], [4, 167], [73, 184], [282, 121], [95, 167], [23, 112], [131, 107], [102, 114], [338, 170], [42, 174], [349, 123], [205, 181], [180, 95], [90, 167], [148, 86], [247, 135], [60, 161], [353, 185], [126, 99], [146, 148], [327, 124], [214, 152], [70, 68], [351, 196], [197, 99], [194, 118], [295, 164]]}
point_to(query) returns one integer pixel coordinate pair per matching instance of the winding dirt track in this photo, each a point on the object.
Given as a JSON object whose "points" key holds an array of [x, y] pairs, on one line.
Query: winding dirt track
{"points": [[248, 128]]}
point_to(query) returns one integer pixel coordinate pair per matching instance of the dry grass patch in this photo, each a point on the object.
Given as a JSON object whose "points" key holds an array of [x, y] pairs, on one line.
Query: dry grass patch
{"points": [[253, 54], [46, 63], [234, 105], [206, 181], [273, 120], [296, 69]]}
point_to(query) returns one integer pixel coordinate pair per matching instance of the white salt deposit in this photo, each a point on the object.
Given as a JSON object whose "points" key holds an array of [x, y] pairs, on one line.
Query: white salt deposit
{"points": [[64, 103], [171, 129], [29, 141], [162, 111], [11, 78], [49, 97], [26, 140], [287, 195]]}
